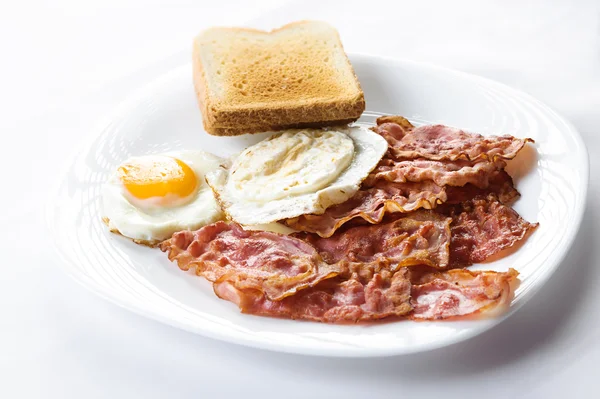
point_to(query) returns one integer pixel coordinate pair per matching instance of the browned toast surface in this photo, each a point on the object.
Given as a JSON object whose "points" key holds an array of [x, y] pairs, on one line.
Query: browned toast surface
{"points": [[249, 81]]}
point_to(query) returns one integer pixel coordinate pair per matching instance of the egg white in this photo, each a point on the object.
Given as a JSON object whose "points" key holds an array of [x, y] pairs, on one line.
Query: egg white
{"points": [[153, 224], [368, 149]]}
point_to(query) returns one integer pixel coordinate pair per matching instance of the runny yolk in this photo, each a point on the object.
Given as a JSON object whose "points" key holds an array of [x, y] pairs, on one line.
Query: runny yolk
{"points": [[157, 176]]}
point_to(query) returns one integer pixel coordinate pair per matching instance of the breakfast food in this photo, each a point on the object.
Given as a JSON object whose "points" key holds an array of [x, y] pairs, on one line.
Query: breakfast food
{"points": [[225, 250], [296, 172], [461, 292], [439, 296], [151, 197], [392, 239], [378, 254], [418, 166], [360, 286], [500, 184], [251, 81], [323, 222], [482, 227], [371, 204], [444, 143], [276, 264], [417, 238], [449, 173], [332, 301]]}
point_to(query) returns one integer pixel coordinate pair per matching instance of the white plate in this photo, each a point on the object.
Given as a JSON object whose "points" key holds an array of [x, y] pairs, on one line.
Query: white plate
{"points": [[164, 116]]}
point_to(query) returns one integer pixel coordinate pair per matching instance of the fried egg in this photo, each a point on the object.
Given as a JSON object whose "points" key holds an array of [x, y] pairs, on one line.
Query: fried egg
{"points": [[150, 197], [296, 172]]}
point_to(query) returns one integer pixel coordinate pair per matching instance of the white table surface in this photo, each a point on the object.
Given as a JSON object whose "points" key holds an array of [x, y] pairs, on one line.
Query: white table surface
{"points": [[65, 65]]}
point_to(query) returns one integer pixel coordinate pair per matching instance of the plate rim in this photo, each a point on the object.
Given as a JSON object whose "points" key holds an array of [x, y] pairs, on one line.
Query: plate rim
{"points": [[133, 97]]}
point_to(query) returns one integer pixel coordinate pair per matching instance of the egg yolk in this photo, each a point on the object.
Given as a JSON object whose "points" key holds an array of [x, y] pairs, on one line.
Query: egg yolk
{"points": [[157, 176]]}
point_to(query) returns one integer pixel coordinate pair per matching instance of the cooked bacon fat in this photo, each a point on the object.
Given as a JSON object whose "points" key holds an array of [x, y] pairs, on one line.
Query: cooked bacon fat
{"points": [[275, 264], [461, 292]]}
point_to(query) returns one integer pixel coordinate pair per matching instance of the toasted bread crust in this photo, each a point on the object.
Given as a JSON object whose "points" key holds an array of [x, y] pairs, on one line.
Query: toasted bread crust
{"points": [[236, 131], [200, 87], [228, 117]]}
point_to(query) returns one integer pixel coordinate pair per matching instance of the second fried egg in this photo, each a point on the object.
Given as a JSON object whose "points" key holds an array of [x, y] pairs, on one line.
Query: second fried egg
{"points": [[296, 172]]}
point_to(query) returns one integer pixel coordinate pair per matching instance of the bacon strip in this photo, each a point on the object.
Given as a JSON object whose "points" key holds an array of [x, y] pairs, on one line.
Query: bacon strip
{"points": [[461, 292], [483, 227], [371, 204], [274, 264], [451, 173], [439, 142], [414, 294], [500, 184], [332, 301], [417, 238]]}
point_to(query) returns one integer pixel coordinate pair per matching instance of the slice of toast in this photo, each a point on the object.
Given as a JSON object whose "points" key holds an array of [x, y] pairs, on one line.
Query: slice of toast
{"points": [[250, 81]]}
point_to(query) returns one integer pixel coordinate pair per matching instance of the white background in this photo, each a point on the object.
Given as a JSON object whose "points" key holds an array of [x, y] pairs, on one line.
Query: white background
{"points": [[65, 64]]}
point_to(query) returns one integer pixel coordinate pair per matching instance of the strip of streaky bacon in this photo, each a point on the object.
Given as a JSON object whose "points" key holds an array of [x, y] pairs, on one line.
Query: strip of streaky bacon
{"points": [[371, 204], [444, 143], [461, 292], [417, 238], [275, 264], [430, 295], [332, 301], [482, 227], [500, 184], [443, 173]]}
